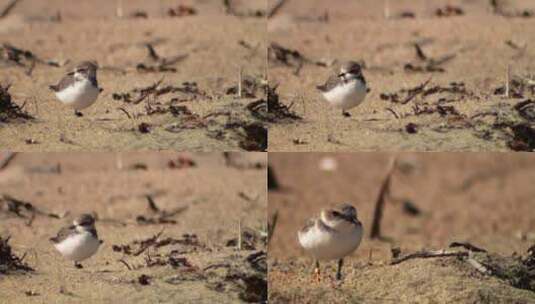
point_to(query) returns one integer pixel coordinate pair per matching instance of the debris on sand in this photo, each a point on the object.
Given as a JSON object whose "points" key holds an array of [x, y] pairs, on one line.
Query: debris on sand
{"points": [[254, 137], [156, 63], [160, 216], [22, 58], [517, 272], [144, 279], [23, 209], [454, 91], [181, 11], [244, 275], [144, 127], [425, 63], [411, 128], [250, 87], [236, 122], [384, 192], [6, 158], [9, 262], [448, 11], [10, 111], [231, 10], [186, 92], [8, 8], [518, 87], [279, 55], [276, 8], [523, 138], [526, 109], [277, 111], [188, 243], [181, 162], [516, 125], [139, 14], [240, 161], [250, 240], [498, 9]]}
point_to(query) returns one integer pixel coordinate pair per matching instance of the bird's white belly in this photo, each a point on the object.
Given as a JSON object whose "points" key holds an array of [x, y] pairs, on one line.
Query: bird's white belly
{"points": [[346, 96], [78, 247], [80, 95], [328, 245]]}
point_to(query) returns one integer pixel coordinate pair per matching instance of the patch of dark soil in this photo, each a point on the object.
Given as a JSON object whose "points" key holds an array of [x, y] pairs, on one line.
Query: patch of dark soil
{"points": [[235, 122], [523, 138], [255, 137], [240, 276]]}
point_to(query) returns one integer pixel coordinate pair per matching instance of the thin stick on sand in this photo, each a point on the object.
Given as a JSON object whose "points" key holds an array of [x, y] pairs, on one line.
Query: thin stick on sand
{"points": [[507, 76], [275, 8], [379, 204], [240, 71], [8, 157], [239, 235], [119, 10], [386, 9], [7, 9], [429, 254], [271, 225]]}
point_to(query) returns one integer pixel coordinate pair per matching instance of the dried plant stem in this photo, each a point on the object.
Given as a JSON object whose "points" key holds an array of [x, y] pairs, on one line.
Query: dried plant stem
{"points": [[239, 235], [240, 72], [507, 80], [381, 198], [386, 9]]}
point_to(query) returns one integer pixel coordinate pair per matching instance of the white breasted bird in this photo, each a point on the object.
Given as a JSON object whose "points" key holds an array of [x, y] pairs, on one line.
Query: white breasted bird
{"points": [[78, 88], [78, 241], [345, 89], [336, 233]]}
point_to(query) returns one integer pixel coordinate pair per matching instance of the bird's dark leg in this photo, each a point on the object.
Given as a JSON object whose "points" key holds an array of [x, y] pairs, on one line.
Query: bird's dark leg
{"points": [[346, 114], [339, 272], [78, 265], [78, 113], [317, 273]]}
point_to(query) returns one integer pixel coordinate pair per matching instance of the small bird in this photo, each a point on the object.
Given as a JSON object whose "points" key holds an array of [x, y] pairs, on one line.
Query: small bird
{"points": [[346, 89], [78, 88], [78, 241], [335, 234]]}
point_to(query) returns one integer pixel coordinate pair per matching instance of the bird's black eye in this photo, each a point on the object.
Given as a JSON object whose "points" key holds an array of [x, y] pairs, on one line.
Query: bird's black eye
{"points": [[336, 213]]}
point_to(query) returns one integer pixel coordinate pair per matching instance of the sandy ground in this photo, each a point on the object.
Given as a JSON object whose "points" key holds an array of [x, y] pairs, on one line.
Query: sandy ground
{"points": [[358, 30], [217, 197], [91, 30], [485, 199]]}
